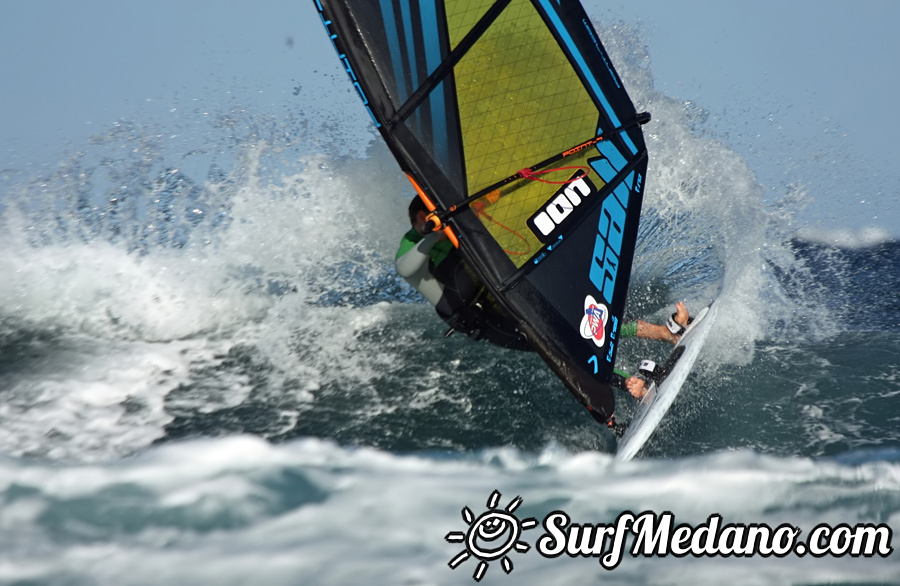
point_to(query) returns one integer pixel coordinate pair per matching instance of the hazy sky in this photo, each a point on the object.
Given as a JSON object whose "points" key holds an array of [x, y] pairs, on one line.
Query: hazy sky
{"points": [[804, 89]]}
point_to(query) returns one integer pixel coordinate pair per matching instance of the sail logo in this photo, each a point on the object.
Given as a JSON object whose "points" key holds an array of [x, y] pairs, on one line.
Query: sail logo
{"points": [[593, 323], [558, 209]]}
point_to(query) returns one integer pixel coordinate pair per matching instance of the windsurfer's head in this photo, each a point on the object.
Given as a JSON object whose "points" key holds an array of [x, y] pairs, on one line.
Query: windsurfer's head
{"points": [[417, 214]]}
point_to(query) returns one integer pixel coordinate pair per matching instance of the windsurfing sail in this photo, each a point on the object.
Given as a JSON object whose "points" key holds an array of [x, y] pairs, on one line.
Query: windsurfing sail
{"points": [[511, 122]]}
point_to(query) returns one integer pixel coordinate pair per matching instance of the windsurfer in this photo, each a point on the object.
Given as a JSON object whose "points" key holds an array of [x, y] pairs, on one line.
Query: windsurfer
{"points": [[434, 267]]}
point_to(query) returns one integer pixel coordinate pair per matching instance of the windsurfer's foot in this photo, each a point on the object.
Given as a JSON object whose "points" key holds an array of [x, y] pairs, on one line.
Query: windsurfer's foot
{"points": [[636, 386], [682, 315], [682, 318]]}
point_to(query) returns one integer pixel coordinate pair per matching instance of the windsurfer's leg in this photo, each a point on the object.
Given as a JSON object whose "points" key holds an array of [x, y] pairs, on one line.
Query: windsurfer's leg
{"points": [[463, 321], [655, 332], [618, 379], [668, 333], [500, 329]]}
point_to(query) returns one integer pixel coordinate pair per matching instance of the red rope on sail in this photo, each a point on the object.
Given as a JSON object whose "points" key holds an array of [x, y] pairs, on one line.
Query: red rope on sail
{"points": [[479, 206], [479, 211], [532, 175]]}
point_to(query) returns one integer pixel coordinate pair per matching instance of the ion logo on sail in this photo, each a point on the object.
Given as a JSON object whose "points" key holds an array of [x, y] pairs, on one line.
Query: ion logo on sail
{"points": [[593, 324], [558, 209]]}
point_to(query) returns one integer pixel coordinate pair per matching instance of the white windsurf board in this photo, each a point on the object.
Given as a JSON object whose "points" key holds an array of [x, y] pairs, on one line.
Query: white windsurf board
{"points": [[661, 395]]}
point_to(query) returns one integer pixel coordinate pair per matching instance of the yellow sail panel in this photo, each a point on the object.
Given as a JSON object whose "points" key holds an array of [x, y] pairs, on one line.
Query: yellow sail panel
{"points": [[519, 102], [462, 15]]}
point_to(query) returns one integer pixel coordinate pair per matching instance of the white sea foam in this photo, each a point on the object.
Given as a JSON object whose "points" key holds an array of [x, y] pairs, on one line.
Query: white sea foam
{"points": [[232, 510], [843, 238], [706, 231], [131, 322]]}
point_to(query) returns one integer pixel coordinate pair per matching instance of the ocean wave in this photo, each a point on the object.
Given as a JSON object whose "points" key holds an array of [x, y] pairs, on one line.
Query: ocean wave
{"points": [[842, 238], [232, 510]]}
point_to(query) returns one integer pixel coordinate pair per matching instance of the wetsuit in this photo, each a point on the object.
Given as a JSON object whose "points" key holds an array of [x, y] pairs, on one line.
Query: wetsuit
{"points": [[436, 269]]}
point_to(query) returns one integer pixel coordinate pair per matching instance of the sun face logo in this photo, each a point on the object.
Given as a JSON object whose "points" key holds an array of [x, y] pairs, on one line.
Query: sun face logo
{"points": [[593, 324], [491, 536]]}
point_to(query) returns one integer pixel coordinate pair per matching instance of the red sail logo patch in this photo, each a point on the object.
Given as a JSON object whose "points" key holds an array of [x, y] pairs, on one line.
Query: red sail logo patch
{"points": [[593, 324]]}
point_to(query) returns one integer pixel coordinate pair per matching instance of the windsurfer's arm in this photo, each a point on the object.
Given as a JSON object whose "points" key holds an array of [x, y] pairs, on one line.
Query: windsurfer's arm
{"points": [[412, 265], [415, 257]]}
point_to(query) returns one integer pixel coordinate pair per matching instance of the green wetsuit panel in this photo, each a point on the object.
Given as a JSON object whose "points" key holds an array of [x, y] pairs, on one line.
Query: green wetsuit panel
{"points": [[437, 254], [628, 330]]}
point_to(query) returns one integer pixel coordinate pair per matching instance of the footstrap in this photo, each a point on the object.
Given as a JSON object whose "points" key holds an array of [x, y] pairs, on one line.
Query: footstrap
{"points": [[674, 326], [648, 370]]}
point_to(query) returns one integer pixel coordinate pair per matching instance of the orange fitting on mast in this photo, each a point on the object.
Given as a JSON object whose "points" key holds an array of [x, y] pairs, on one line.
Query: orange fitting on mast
{"points": [[430, 205], [434, 219]]}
